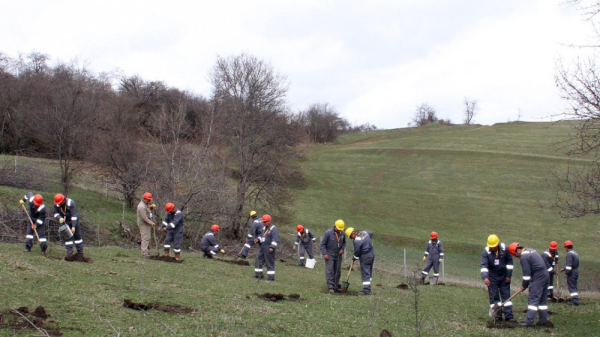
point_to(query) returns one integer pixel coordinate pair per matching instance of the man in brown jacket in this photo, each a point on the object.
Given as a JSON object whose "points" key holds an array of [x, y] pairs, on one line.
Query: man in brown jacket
{"points": [[145, 222]]}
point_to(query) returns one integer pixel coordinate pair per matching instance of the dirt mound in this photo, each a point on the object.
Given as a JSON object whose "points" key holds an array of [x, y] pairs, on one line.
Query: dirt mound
{"points": [[548, 324], [500, 325], [78, 258], [385, 333], [165, 259], [403, 286], [21, 318], [178, 309], [238, 262], [441, 284], [278, 297]]}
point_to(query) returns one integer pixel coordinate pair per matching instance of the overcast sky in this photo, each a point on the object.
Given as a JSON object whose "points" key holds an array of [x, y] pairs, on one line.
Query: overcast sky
{"points": [[373, 61]]}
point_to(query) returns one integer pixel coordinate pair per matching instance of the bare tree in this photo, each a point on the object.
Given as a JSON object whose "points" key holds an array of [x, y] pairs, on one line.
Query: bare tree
{"points": [[424, 115], [578, 188], [259, 134], [470, 110], [322, 123]]}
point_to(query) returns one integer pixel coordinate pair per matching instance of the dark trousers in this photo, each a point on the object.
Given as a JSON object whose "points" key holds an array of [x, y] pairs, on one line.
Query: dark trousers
{"points": [[366, 271], [499, 289], [551, 284], [538, 300], [209, 251], [41, 231], [305, 248], [435, 263], [265, 258], [76, 239], [175, 237], [333, 271], [572, 285]]}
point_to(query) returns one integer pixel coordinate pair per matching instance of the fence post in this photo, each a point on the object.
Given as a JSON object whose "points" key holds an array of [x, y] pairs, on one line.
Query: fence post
{"points": [[404, 262]]}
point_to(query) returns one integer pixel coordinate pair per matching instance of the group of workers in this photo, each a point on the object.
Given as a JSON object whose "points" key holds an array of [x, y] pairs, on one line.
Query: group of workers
{"points": [[65, 212], [538, 275], [496, 258]]}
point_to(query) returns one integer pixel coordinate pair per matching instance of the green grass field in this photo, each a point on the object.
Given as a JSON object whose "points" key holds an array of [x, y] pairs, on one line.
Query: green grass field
{"points": [[465, 182]]}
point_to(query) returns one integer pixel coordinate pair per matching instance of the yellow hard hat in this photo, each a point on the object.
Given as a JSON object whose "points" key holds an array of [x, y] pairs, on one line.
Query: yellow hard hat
{"points": [[339, 224], [252, 213], [493, 241], [349, 231]]}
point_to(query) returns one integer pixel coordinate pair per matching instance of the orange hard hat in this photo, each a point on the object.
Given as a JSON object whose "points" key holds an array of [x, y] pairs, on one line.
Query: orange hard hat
{"points": [[266, 218], [38, 200], [169, 206], [433, 235], [553, 245], [59, 198], [215, 227], [299, 228], [568, 243], [512, 248], [148, 196]]}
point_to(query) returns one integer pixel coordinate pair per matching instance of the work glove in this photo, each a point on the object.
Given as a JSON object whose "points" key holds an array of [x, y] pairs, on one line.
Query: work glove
{"points": [[33, 226], [223, 251], [61, 221], [153, 206], [21, 202], [153, 224], [441, 260], [424, 258]]}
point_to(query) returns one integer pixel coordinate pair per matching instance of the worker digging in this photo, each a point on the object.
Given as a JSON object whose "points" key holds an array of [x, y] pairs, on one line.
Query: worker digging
{"points": [[496, 272], [256, 229], [36, 224], [65, 211], [365, 254]]}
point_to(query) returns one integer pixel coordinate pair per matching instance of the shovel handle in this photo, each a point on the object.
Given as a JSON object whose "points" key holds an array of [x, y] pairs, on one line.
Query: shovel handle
{"points": [[349, 270], [513, 296], [31, 222]]}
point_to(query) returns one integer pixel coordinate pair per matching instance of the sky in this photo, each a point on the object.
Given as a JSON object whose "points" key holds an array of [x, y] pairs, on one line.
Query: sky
{"points": [[372, 61]]}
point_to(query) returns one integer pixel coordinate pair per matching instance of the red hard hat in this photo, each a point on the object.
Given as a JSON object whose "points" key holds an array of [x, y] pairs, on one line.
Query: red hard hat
{"points": [[38, 200], [299, 228], [169, 206], [433, 235], [59, 198], [568, 243], [148, 196], [553, 245], [215, 227], [266, 218], [512, 248]]}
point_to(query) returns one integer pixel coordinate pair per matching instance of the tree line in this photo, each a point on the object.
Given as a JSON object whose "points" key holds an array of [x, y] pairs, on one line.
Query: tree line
{"points": [[214, 156]]}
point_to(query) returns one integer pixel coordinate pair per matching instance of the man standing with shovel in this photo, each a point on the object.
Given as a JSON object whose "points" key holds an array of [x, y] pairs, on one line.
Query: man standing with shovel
{"points": [[496, 271], [551, 259], [333, 244], [535, 276], [37, 221], [363, 251]]}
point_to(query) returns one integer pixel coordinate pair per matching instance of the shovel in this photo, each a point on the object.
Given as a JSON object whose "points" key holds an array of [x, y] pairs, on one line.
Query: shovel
{"points": [[345, 285], [497, 309], [31, 222]]}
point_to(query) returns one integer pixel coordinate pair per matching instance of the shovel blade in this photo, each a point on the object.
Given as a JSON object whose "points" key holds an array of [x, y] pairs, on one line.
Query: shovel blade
{"points": [[345, 286]]}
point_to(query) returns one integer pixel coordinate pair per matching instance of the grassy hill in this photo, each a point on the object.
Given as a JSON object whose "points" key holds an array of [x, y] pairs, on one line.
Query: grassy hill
{"points": [[465, 182]]}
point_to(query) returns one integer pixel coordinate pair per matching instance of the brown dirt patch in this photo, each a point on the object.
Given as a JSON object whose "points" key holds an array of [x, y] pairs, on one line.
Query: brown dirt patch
{"points": [[500, 325], [237, 262], [385, 333], [178, 309], [165, 259], [78, 258], [278, 297], [403, 286], [10, 319]]}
